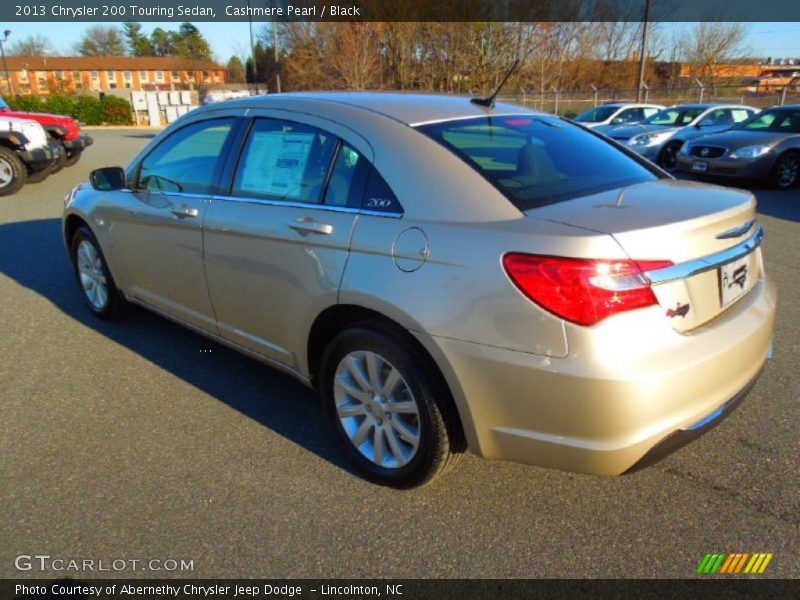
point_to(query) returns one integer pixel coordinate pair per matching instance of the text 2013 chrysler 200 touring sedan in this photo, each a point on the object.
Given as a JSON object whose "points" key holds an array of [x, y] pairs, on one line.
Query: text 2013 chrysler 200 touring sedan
{"points": [[448, 275]]}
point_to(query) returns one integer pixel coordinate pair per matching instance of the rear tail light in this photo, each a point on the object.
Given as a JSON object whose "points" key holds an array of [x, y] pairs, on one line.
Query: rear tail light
{"points": [[583, 291]]}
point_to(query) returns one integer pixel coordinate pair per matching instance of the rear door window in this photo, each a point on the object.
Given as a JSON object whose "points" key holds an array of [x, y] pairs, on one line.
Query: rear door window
{"points": [[631, 115], [283, 160]]}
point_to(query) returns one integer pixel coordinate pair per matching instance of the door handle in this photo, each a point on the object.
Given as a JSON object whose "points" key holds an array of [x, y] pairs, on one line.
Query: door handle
{"points": [[306, 225], [184, 211]]}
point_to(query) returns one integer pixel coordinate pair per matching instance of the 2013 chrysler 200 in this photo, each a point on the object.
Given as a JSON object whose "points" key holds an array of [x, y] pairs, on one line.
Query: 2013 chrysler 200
{"points": [[448, 275]]}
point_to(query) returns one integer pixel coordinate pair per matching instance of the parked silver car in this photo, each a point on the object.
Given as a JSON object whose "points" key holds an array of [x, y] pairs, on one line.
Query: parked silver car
{"points": [[660, 137], [617, 113], [448, 275], [766, 146]]}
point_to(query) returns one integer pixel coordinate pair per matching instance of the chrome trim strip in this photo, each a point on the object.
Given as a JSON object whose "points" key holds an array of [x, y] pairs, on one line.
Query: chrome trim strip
{"points": [[310, 205], [712, 261]]}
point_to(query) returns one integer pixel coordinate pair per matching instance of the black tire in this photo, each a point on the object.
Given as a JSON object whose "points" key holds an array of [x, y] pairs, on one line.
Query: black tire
{"points": [[785, 173], [61, 162], [39, 176], [72, 157], [437, 447], [13, 171], [667, 159], [114, 305]]}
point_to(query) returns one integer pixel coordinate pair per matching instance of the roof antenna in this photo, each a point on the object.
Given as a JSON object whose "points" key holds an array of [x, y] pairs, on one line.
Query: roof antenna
{"points": [[489, 102]]}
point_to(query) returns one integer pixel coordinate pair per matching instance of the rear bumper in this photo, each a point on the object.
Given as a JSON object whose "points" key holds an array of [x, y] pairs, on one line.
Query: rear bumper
{"points": [[40, 158], [79, 143], [608, 404], [678, 439]]}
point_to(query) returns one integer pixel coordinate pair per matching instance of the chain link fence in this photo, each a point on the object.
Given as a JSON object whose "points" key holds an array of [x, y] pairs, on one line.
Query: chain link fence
{"points": [[570, 103]]}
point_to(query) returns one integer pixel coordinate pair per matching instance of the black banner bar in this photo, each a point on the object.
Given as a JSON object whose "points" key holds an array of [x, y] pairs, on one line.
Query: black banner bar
{"points": [[399, 10], [400, 589]]}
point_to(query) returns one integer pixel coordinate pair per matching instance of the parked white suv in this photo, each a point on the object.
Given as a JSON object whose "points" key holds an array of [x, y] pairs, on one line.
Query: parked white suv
{"points": [[25, 154]]}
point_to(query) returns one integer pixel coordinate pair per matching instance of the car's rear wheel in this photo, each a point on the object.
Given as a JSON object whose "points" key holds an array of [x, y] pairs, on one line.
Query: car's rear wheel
{"points": [[386, 407], [668, 159], [72, 157], [13, 174], [786, 172], [91, 270], [62, 159], [40, 175]]}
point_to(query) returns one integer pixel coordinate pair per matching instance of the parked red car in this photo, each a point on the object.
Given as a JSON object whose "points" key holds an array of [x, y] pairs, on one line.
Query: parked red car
{"points": [[61, 129]]}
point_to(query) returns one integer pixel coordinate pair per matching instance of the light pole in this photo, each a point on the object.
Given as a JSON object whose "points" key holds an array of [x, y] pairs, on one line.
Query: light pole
{"points": [[643, 51], [252, 49], [6, 33], [275, 50]]}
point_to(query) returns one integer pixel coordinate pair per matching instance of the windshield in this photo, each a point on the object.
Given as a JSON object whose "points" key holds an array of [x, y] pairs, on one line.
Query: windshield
{"points": [[538, 160], [596, 114], [780, 120], [674, 116]]}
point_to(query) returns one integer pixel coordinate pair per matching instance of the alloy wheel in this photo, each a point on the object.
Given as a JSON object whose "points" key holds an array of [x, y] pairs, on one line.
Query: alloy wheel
{"points": [[377, 409], [6, 173], [788, 170], [92, 275]]}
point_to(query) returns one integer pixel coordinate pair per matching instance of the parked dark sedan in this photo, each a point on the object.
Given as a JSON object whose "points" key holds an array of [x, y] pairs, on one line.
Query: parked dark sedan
{"points": [[766, 147]]}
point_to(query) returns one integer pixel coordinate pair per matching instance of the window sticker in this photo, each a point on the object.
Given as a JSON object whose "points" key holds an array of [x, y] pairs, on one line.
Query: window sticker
{"points": [[276, 163]]}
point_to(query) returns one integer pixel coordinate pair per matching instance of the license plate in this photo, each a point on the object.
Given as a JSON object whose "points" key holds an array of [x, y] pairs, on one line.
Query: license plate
{"points": [[736, 278], [701, 166]]}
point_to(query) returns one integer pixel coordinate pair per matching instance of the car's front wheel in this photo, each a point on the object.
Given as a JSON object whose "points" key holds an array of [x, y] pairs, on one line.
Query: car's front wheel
{"points": [[386, 407], [786, 172], [668, 159], [96, 283]]}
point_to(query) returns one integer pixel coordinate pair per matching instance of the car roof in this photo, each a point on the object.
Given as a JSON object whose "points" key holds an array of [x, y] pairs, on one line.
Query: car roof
{"points": [[408, 108], [621, 104], [707, 105]]}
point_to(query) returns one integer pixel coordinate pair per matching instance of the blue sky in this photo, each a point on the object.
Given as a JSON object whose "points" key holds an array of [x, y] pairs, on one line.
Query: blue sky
{"points": [[227, 39]]}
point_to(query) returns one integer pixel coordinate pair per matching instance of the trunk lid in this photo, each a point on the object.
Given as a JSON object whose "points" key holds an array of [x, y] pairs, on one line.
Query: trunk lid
{"points": [[695, 226]]}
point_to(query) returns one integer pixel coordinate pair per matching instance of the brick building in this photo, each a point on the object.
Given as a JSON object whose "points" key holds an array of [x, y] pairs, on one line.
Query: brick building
{"points": [[84, 74]]}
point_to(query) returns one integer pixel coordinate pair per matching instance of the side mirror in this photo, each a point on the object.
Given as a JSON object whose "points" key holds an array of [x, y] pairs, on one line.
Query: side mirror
{"points": [[617, 121], [107, 179]]}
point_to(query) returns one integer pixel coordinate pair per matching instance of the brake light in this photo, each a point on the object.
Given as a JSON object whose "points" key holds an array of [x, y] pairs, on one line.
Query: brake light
{"points": [[583, 291]]}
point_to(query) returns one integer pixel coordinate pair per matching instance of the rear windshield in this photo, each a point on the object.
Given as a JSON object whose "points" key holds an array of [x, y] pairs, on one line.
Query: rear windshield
{"points": [[536, 160]]}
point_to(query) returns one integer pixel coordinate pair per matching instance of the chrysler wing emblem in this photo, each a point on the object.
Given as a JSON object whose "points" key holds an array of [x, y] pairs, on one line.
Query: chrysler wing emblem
{"points": [[736, 231], [680, 310]]}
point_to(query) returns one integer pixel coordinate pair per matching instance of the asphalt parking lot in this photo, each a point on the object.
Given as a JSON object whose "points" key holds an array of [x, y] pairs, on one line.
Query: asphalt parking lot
{"points": [[139, 440]]}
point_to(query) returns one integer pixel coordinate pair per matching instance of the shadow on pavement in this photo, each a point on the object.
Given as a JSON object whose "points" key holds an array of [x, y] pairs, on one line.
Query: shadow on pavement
{"points": [[267, 396]]}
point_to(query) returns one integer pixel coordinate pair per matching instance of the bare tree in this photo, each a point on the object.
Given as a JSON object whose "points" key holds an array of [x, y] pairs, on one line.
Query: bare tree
{"points": [[33, 45], [707, 45]]}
